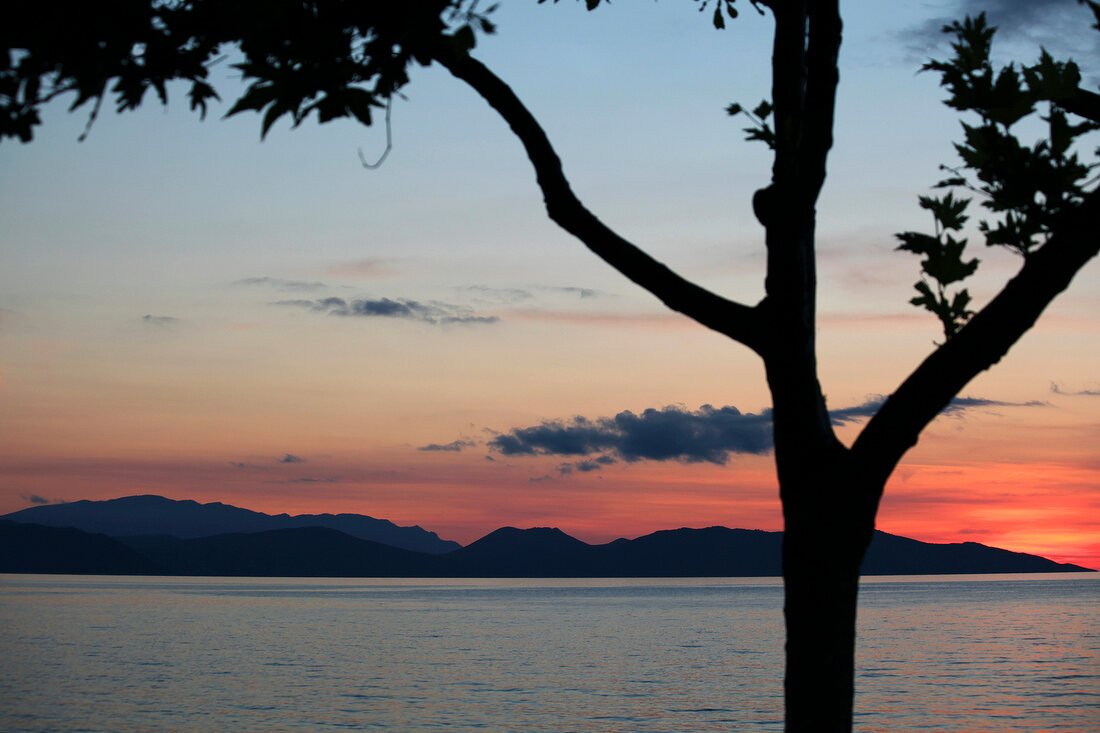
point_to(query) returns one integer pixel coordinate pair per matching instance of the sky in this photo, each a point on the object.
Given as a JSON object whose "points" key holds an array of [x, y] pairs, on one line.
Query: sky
{"points": [[188, 311]]}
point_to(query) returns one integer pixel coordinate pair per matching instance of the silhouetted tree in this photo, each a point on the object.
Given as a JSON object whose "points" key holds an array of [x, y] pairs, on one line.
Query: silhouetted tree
{"points": [[343, 58]]}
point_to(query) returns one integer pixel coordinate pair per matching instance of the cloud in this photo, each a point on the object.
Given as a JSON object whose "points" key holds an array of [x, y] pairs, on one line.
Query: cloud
{"points": [[581, 292], [857, 412], [662, 320], [954, 409], [291, 458], [514, 295], [1063, 26], [498, 295], [1022, 18], [672, 433], [1056, 389], [433, 312], [327, 480], [242, 464], [281, 284], [706, 435], [36, 499], [454, 446], [160, 320], [959, 404], [586, 466]]}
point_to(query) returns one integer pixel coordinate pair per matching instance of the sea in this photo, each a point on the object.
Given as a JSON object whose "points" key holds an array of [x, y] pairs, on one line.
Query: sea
{"points": [[999, 653]]}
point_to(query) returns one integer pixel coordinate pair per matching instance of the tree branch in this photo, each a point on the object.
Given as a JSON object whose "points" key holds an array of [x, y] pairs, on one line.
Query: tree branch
{"points": [[981, 343], [822, 52], [740, 322], [804, 80], [1083, 103]]}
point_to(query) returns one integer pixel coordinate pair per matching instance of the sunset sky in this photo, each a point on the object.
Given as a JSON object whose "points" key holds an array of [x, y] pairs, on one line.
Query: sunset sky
{"points": [[188, 311]]}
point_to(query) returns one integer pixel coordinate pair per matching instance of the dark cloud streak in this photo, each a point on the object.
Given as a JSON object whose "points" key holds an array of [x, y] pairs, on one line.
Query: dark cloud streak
{"points": [[454, 446], [159, 320], [432, 312], [1063, 26], [672, 433], [281, 284], [1056, 389]]}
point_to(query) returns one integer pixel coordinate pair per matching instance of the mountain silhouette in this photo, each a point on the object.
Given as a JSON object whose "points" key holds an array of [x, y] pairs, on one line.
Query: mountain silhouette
{"points": [[139, 516], [530, 553], [506, 552], [712, 551], [294, 552], [33, 548]]}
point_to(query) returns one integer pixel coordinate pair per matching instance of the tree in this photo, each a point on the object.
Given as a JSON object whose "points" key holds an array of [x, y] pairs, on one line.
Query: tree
{"points": [[341, 58]]}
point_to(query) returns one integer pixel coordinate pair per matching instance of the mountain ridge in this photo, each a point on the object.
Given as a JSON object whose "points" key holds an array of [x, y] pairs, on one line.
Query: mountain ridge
{"points": [[311, 551], [152, 514]]}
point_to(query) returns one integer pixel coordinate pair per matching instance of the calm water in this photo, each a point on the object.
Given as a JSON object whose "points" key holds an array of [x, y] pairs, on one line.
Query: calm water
{"points": [[95, 653]]}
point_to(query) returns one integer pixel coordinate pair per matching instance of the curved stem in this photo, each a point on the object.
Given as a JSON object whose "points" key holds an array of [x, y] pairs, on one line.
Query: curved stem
{"points": [[740, 322]]}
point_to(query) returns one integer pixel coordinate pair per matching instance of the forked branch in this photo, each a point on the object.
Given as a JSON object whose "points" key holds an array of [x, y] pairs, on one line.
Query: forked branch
{"points": [[981, 343]]}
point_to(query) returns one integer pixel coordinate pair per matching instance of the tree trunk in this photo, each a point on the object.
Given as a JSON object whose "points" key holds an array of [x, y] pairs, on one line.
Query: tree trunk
{"points": [[823, 547]]}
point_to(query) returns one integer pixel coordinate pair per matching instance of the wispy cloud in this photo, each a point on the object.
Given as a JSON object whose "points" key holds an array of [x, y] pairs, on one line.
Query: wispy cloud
{"points": [[961, 404], [497, 295], [579, 292], [291, 458], [454, 446], [1025, 18], [857, 412], [1056, 389], [280, 284], [1064, 26], [662, 320], [36, 499], [586, 466], [162, 321], [488, 294], [433, 312]]}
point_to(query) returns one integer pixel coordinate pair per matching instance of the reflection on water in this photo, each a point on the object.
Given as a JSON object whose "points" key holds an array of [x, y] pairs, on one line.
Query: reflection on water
{"points": [[120, 654]]}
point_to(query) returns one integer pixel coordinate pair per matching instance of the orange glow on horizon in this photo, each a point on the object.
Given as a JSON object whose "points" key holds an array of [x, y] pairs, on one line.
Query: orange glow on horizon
{"points": [[1044, 509]]}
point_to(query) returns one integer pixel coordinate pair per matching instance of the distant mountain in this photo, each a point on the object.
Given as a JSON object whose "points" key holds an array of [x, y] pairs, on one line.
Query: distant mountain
{"points": [[33, 548], [893, 555], [712, 551], [137, 516], [507, 552], [295, 552], [531, 553]]}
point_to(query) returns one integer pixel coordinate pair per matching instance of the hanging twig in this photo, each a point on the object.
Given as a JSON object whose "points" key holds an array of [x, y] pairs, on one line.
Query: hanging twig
{"points": [[389, 142]]}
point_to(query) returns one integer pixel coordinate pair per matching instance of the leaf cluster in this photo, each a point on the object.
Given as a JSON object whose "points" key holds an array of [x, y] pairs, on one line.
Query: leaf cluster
{"points": [[1026, 188], [759, 128], [943, 262], [722, 8], [335, 58], [125, 47], [730, 10]]}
